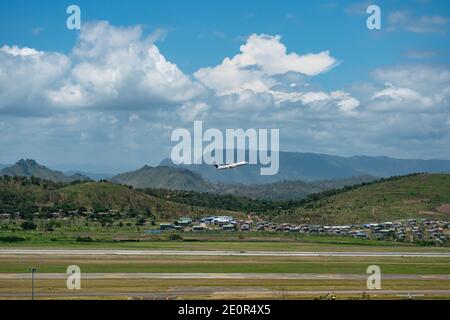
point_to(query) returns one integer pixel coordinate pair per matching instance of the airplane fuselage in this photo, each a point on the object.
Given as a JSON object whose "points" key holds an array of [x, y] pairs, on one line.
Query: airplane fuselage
{"points": [[230, 166]]}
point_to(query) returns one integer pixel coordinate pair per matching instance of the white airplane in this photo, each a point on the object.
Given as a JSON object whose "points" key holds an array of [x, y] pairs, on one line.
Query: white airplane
{"points": [[230, 166]]}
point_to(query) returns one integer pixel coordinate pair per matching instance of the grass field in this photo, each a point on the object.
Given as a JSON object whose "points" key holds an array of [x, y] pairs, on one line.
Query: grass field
{"points": [[143, 285], [212, 289], [224, 264], [118, 287], [137, 239]]}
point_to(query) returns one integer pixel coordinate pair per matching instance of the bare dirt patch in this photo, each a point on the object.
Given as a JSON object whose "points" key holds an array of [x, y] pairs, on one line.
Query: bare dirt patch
{"points": [[414, 201], [444, 208]]}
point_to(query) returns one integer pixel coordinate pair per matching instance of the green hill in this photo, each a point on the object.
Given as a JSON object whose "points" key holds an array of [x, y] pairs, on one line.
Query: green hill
{"points": [[288, 190], [413, 196], [29, 195], [163, 177]]}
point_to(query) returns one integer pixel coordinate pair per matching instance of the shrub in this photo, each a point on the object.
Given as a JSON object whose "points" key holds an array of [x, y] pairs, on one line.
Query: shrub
{"points": [[11, 239], [84, 239], [28, 225], [175, 237]]}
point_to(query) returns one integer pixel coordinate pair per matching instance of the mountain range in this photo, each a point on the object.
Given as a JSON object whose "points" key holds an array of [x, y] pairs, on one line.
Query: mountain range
{"points": [[300, 174], [313, 167], [2, 166], [411, 196], [30, 168]]}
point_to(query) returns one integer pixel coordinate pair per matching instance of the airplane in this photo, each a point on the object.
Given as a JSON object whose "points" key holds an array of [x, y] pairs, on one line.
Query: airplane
{"points": [[230, 166]]}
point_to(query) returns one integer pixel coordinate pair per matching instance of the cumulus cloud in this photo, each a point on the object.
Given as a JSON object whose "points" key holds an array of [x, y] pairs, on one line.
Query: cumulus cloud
{"points": [[23, 52], [115, 65], [25, 73], [412, 88], [117, 95], [264, 76], [395, 97], [261, 57]]}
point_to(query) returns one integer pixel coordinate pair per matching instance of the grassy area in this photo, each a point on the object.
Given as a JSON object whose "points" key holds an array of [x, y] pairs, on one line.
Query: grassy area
{"points": [[145, 285], [215, 288], [212, 288], [31, 195], [224, 264], [224, 245], [136, 238], [416, 196]]}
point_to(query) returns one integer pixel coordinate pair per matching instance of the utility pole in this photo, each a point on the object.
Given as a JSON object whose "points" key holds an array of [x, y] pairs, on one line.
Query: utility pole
{"points": [[32, 270]]}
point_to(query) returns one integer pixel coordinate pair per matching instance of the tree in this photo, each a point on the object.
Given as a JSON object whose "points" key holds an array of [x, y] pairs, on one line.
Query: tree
{"points": [[140, 221], [175, 237], [28, 225]]}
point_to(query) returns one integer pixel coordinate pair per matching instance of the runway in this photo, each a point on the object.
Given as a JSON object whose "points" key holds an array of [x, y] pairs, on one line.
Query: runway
{"points": [[106, 252], [219, 293], [227, 276]]}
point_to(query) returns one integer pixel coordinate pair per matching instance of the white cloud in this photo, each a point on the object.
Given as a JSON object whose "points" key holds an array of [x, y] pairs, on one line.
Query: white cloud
{"points": [[25, 73], [343, 100], [23, 52], [412, 88], [261, 57], [415, 76], [245, 101], [401, 95], [117, 65], [191, 111], [133, 96], [394, 98]]}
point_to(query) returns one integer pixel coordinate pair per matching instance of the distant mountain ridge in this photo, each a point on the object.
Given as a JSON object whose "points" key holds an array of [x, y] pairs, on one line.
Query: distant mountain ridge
{"points": [[288, 190], [91, 175], [313, 167], [300, 174], [2, 166], [30, 168]]}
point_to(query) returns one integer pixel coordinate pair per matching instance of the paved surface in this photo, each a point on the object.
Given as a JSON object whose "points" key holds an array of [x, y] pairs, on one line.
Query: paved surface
{"points": [[97, 252], [224, 292], [249, 276]]}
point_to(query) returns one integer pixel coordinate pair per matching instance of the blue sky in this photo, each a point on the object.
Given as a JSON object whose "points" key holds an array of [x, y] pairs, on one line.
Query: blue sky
{"points": [[194, 35], [202, 32]]}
